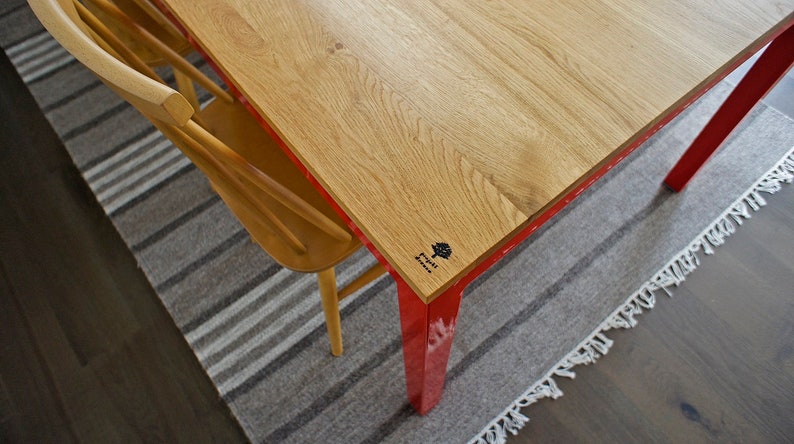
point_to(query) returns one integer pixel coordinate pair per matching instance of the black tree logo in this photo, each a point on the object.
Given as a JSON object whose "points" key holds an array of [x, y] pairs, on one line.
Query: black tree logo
{"points": [[442, 249]]}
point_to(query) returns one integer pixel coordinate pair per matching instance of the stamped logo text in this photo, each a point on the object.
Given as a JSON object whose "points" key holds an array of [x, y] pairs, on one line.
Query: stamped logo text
{"points": [[440, 249]]}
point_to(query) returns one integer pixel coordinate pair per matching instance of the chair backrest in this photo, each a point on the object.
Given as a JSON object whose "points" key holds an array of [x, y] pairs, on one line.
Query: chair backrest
{"points": [[151, 19], [153, 99], [121, 31], [102, 52]]}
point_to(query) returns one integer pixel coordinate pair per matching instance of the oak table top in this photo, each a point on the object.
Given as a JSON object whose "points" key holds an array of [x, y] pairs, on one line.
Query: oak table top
{"points": [[458, 122]]}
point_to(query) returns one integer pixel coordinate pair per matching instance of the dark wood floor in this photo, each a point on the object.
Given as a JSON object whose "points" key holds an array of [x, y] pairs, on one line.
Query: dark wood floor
{"points": [[88, 354], [713, 364]]}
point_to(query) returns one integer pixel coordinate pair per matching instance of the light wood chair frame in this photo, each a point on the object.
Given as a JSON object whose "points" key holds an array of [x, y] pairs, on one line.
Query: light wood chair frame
{"points": [[175, 114]]}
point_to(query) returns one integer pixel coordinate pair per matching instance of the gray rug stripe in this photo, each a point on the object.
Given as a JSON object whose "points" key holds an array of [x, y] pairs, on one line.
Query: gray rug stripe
{"points": [[236, 294], [13, 10], [196, 265], [237, 351], [50, 70], [274, 338], [128, 180], [334, 393], [21, 40], [149, 191], [39, 58], [90, 124], [548, 293], [18, 50], [141, 184], [35, 52], [275, 327], [117, 148], [127, 153], [296, 349], [14, 46], [72, 96], [129, 165], [253, 321], [387, 428], [174, 224], [232, 325]]}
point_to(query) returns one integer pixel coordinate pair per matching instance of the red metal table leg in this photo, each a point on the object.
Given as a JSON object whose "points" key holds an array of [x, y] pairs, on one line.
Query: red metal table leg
{"points": [[427, 331], [770, 67]]}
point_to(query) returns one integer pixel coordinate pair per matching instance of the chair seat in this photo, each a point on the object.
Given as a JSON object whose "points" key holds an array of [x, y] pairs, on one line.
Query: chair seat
{"points": [[234, 125]]}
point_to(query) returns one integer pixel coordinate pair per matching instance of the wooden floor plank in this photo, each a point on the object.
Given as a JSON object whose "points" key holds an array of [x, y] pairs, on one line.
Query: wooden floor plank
{"points": [[25, 387], [88, 352], [714, 363]]}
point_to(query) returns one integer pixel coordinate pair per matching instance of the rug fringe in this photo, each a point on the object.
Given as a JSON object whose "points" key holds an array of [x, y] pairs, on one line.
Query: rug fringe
{"points": [[672, 274]]}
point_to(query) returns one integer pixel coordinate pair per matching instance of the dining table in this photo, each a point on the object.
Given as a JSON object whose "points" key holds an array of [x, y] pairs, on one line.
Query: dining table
{"points": [[446, 132]]}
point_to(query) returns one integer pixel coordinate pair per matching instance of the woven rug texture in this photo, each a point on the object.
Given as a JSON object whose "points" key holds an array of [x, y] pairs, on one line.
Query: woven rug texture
{"points": [[258, 329]]}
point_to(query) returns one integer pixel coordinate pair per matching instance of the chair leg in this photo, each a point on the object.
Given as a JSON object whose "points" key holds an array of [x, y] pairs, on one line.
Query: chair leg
{"points": [[366, 277], [333, 322]]}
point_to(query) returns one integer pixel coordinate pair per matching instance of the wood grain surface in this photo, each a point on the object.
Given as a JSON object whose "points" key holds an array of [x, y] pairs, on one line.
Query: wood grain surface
{"points": [[458, 122]]}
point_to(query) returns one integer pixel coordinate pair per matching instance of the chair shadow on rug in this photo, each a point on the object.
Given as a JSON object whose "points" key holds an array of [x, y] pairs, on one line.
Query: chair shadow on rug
{"points": [[279, 207]]}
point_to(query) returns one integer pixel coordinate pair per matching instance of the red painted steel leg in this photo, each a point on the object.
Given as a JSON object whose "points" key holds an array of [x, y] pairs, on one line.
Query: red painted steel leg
{"points": [[427, 331], [770, 67]]}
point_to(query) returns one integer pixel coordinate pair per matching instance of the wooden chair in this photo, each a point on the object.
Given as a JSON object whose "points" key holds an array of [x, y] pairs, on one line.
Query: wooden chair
{"points": [[117, 16], [270, 196]]}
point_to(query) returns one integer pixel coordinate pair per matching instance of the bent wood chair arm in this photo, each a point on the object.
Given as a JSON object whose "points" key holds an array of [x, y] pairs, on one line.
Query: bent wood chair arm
{"points": [[219, 174], [112, 44], [108, 40], [150, 97], [264, 182]]}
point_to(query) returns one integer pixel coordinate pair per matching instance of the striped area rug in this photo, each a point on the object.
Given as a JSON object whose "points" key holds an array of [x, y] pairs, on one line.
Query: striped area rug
{"points": [[258, 329]]}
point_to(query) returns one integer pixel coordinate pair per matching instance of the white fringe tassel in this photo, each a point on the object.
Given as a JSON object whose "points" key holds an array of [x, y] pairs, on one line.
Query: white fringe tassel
{"points": [[673, 274]]}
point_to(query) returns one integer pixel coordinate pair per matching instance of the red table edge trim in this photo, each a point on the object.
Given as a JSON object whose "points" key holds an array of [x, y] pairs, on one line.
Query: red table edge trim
{"points": [[544, 217]]}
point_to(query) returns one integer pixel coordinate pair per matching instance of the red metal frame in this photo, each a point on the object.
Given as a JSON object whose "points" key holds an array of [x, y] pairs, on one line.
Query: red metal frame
{"points": [[427, 333], [770, 67], [423, 324]]}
